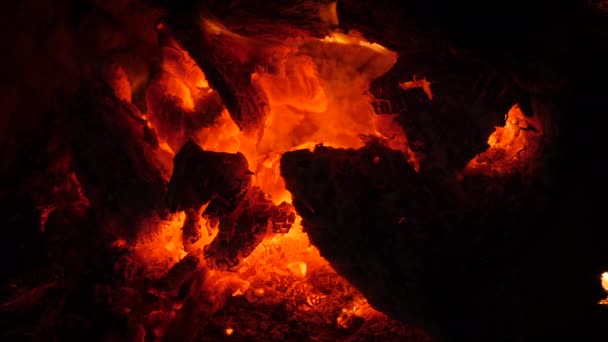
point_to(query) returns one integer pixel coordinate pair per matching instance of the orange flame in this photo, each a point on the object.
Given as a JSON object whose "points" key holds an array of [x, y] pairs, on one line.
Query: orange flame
{"points": [[318, 91]]}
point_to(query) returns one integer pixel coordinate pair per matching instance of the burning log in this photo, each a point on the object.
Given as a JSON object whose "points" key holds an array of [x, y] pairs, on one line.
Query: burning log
{"points": [[352, 207], [228, 60], [231, 41], [242, 230], [222, 180], [113, 159], [179, 100], [200, 176], [355, 203]]}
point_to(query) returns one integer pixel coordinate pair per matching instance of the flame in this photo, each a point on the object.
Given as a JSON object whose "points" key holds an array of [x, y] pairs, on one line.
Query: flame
{"points": [[318, 90]]}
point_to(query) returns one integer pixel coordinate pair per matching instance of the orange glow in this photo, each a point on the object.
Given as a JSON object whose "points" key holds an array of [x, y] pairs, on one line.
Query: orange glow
{"points": [[318, 90], [604, 279], [161, 246], [513, 148]]}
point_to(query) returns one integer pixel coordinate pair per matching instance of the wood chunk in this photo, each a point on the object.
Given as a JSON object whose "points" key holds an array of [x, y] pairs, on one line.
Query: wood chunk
{"points": [[199, 176], [112, 158], [228, 61], [175, 123], [367, 211], [179, 102], [408, 241], [242, 230]]}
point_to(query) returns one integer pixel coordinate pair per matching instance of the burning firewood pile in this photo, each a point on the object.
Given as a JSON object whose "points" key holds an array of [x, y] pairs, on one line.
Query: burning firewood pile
{"points": [[302, 170]]}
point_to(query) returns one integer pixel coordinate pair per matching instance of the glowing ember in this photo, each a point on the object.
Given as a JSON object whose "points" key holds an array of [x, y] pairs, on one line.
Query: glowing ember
{"points": [[229, 331], [416, 83], [162, 247], [605, 287], [513, 148]]}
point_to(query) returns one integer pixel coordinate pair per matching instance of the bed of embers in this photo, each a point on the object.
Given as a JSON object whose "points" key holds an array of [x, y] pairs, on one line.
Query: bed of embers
{"points": [[307, 170]]}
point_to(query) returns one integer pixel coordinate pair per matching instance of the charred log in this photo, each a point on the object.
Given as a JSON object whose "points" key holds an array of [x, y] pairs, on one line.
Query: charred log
{"points": [[175, 120], [242, 230], [112, 159], [199, 176], [352, 207], [228, 60], [400, 236], [299, 18], [245, 214], [254, 218]]}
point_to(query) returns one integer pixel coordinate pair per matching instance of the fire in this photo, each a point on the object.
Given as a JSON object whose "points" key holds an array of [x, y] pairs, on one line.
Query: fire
{"points": [[318, 91], [512, 148], [162, 247], [604, 279]]}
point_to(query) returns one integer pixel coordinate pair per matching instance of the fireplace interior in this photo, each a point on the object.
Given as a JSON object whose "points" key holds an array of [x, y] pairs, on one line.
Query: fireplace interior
{"points": [[303, 170]]}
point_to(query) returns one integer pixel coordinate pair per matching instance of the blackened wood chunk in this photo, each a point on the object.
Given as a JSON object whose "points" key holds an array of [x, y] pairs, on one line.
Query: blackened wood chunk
{"points": [[418, 247], [175, 123], [113, 158], [369, 213], [277, 19], [199, 176], [228, 62], [241, 231]]}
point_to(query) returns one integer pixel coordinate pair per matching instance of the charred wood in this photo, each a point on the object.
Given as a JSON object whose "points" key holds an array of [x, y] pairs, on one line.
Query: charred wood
{"points": [[228, 61], [112, 159], [245, 214], [401, 237], [254, 218], [200, 176], [175, 123], [352, 205], [241, 230], [175, 120]]}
